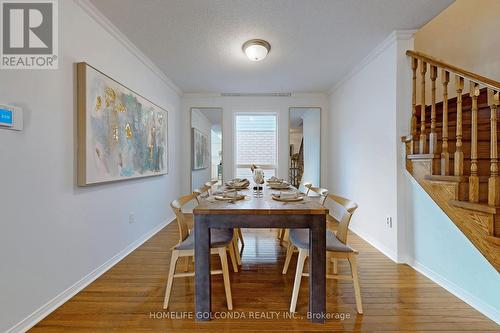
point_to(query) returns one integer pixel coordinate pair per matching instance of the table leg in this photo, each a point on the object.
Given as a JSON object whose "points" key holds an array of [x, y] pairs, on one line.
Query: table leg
{"points": [[202, 268], [317, 269]]}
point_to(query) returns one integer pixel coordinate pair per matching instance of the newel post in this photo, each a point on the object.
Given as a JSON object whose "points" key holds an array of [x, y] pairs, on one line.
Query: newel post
{"points": [[414, 65], [493, 181], [459, 154], [433, 139], [423, 137], [445, 155], [474, 179]]}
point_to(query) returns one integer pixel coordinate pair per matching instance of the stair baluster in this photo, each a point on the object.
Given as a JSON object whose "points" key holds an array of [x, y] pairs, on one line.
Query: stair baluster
{"points": [[494, 180], [474, 179], [433, 136], [423, 137], [445, 155], [414, 65], [459, 154]]}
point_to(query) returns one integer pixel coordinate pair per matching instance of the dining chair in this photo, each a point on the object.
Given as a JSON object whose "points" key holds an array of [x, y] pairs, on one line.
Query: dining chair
{"points": [[220, 240], [336, 247], [234, 254], [238, 232], [211, 183], [283, 234]]}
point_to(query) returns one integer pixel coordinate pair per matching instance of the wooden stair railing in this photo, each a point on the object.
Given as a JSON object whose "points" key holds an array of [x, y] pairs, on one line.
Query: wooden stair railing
{"points": [[453, 153]]}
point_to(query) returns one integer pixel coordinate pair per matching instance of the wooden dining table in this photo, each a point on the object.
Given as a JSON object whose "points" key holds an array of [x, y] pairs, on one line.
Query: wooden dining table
{"points": [[261, 212]]}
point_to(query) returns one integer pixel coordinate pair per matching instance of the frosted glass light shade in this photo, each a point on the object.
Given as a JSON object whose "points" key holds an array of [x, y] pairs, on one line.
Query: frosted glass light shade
{"points": [[256, 49]]}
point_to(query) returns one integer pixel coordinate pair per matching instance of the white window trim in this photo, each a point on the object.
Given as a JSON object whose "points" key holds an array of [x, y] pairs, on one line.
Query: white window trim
{"points": [[235, 139]]}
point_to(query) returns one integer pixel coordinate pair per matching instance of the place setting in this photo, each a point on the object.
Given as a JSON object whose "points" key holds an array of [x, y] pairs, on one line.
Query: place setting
{"points": [[278, 183], [293, 196]]}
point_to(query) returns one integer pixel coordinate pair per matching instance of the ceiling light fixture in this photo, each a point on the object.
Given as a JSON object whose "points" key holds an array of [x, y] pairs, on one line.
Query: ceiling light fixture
{"points": [[256, 49]]}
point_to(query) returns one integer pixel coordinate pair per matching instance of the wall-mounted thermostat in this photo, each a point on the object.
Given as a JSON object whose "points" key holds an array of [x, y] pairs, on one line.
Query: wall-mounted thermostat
{"points": [[11, 117]]}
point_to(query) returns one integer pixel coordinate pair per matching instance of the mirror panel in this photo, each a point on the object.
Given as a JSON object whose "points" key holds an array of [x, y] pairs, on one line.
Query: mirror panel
{"points": [[206, 146], [305, 146]]}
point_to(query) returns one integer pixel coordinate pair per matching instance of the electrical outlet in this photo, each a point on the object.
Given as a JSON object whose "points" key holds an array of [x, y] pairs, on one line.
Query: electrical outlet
{"points": [[131, 218], [388, 221]]}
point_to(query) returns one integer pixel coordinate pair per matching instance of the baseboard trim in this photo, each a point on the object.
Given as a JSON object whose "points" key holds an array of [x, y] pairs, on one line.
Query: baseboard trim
{"points": [[63, 297], [376, 244], [459, 292]]}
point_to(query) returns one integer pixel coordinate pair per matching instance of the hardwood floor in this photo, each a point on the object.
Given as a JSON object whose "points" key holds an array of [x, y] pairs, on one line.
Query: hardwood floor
{"points": [[129, 297]]}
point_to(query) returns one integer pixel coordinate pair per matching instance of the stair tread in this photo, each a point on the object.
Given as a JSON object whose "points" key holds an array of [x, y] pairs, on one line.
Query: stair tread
{"points": [[422, 156], [453, 178], [493, 239], [459, 179], [481, 207]]}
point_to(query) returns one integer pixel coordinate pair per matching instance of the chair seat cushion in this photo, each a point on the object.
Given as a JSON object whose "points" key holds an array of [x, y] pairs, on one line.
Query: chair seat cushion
{"points": [[300, 238], [218, 238]]}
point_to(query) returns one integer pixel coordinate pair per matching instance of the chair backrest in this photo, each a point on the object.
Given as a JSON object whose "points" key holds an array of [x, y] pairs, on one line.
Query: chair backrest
{"points": [[180, 217], [322, 192], [344, 214], [200, 192], [210, 184]]}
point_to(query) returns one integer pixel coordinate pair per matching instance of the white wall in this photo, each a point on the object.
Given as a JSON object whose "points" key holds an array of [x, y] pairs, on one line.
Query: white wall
{"points": [[464, 35], [232, 105], [53, 232], [363, 147], [438, 249], [201, 123], [311, 123]]}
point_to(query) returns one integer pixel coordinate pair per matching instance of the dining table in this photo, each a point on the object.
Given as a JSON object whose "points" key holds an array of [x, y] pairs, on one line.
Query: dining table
{"points": [[261, 211]]}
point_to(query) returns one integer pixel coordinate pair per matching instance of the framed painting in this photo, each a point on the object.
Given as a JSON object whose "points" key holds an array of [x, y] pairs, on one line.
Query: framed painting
{"points": [[121, 134], [200, 150]]}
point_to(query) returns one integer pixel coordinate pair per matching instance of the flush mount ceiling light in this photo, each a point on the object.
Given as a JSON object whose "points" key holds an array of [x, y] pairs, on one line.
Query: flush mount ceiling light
{"points": [[256, 49]]}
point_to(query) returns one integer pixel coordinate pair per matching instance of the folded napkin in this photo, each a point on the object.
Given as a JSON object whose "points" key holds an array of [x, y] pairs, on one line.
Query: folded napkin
{"points": [[238, 182], [231, 194], [217, 192], [274, 179], [286, 195]]}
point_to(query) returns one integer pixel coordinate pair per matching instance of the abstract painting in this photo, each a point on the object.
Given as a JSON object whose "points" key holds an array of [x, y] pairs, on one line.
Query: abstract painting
{"points": [[121, 135], [200, 150]]}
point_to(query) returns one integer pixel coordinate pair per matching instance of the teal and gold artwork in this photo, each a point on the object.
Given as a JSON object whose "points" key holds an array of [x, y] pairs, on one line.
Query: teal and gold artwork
{"points": [[121, 135]]}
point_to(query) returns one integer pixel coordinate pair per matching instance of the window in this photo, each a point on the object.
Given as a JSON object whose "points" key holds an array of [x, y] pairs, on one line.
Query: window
{"points": [[256, 143]]}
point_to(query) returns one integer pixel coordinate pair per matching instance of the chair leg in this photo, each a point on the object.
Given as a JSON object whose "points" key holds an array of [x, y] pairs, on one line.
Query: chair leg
{"points": [[240, 236], [170, 279], [186, 264], [225, 275], [282, 235], [355, 281], [289, 253], [230, 247], [298, 277], [236, 247], [286, 235]]}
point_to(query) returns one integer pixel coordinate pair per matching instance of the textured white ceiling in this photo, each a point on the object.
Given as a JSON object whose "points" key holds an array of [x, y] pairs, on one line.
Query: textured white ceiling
{"points": [[314, 43]]}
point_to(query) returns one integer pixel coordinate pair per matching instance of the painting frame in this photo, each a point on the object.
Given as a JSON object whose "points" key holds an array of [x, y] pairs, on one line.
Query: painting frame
{"points": [[148, 112], [199, 150]]}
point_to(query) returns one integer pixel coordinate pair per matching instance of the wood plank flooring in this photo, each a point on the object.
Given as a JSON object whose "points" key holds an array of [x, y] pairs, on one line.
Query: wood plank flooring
{"points": [[129, 297]]}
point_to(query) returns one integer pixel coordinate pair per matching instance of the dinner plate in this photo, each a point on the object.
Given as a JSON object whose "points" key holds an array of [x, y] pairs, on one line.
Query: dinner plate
{"points": [[299, 198], [236, 188], [236, 198], [279, 187]]}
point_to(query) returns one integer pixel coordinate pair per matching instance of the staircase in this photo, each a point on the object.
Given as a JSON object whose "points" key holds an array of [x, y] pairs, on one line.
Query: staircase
{"points": [[452, 150]]}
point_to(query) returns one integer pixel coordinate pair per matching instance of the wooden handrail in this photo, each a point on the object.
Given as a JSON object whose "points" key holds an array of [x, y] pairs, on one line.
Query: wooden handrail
{"points": [[492, 84]]}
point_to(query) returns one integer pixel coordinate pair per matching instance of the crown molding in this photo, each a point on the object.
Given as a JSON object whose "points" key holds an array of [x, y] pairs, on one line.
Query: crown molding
{"points": [[103, 21], [393, 37]]}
